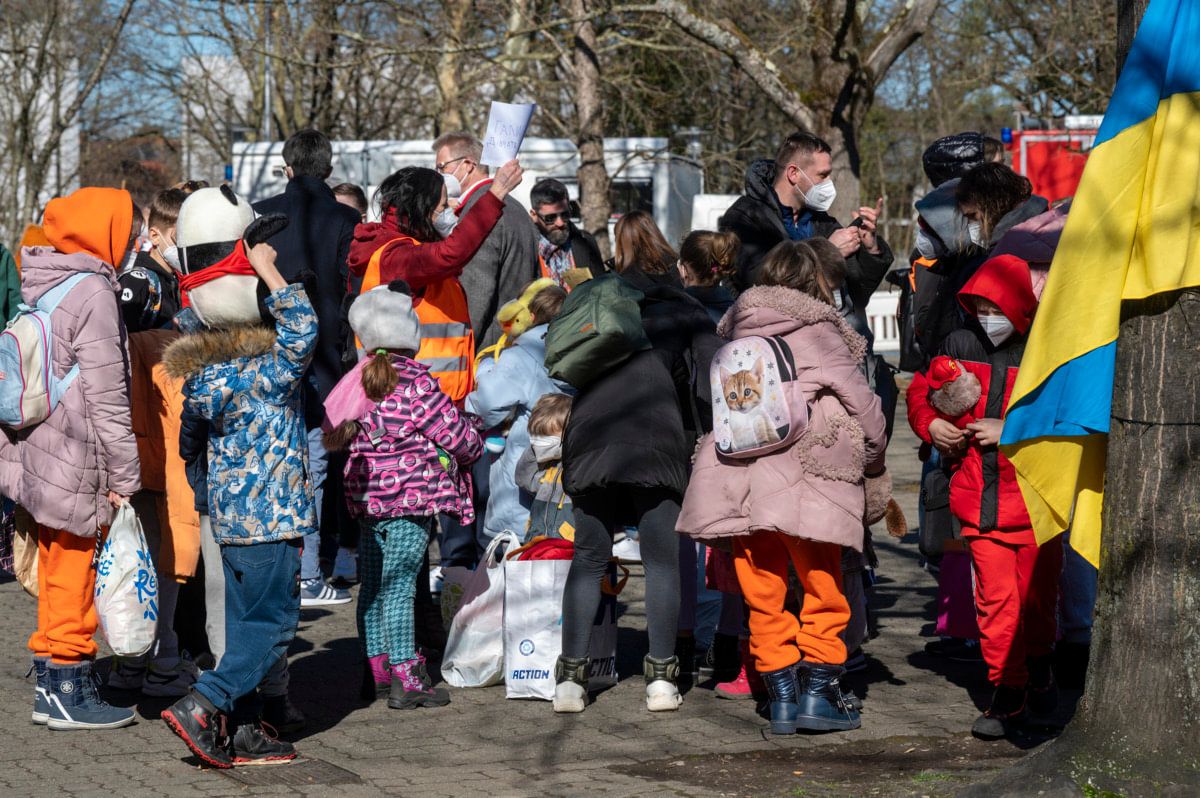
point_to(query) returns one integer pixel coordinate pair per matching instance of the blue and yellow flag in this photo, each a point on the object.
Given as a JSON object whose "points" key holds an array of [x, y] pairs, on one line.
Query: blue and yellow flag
{"points": [[1133, 231]]}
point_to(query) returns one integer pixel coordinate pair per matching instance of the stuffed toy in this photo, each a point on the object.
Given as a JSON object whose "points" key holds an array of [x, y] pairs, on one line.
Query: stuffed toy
{"points": [[515, 319], [953, 390], [215, 230]]}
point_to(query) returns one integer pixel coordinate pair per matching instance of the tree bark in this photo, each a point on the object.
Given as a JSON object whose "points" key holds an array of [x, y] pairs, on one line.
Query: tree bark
{"points": [[846, 69], [1137, 729], [589, 112], [449, 69]]}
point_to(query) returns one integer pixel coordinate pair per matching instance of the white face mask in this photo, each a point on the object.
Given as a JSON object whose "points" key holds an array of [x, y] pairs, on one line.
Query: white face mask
{"points": [[453, 187], [546, 447], [171, 256], [839, 299], [929, 246], [445, 222], [820, 196], [998, 328], [975, 230]]}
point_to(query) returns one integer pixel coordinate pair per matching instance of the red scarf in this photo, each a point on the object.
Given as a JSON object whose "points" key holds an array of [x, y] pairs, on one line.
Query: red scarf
{"points": [[234, 263]]}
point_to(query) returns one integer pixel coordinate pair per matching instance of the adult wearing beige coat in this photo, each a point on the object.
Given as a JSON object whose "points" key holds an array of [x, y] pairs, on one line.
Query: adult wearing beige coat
{"points": [[801, 503]]}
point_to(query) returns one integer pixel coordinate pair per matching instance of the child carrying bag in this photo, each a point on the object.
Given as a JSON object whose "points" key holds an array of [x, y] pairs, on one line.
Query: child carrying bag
{"points": [[757, 406], [127, 587]]}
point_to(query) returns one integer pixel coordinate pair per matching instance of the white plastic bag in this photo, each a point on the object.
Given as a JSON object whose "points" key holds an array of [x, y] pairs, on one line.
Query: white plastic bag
{"points": [[127, 587], [533, 595], [475, 644], [454, 585]]}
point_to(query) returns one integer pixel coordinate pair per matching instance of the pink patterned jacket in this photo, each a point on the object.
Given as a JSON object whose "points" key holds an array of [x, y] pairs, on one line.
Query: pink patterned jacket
{"points": [[395, 467]]}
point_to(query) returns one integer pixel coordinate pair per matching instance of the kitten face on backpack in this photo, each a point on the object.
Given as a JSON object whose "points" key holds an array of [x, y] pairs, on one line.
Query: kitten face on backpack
{"points": [[743, 391]]}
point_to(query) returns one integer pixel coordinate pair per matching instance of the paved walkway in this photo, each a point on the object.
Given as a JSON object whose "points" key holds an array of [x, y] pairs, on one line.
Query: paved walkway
{"points": [[483, 744]]}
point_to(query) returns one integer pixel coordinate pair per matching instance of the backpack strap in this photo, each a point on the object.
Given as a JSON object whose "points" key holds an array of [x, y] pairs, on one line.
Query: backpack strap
{"points": [[49, 301]]}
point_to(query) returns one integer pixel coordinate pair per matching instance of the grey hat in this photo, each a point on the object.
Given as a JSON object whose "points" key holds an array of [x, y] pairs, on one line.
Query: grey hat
{"points": [[383, 318]]}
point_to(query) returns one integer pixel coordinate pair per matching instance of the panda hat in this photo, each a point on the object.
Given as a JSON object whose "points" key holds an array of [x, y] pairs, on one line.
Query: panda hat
{"points": [[214, 231]]}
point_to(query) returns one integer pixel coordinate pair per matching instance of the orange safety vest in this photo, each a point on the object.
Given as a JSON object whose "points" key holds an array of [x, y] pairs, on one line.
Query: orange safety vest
{"points": [[447, 340]]}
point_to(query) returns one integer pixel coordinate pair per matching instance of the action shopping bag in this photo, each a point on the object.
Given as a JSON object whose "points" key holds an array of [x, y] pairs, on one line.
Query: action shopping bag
{"points": [[533, 594], [475, 644], [126, 587]]}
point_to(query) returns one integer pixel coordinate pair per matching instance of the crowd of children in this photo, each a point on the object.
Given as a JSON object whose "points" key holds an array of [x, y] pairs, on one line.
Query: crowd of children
{"points": [[723, 401]]}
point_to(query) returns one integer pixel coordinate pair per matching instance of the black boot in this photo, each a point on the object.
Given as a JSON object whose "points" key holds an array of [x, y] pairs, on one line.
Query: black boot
{"points": [[1043, 690], [723, 660], [571, 683], [783, 691], [280, 713], [254, 743], [822, 706], [201, 727], [1007, 710]]}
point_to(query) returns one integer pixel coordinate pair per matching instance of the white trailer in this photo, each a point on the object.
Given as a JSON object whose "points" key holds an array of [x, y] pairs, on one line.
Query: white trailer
{"points": [[645, 176]]}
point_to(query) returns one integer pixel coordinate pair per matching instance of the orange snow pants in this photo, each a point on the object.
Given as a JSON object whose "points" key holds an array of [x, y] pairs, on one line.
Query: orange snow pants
{"points": [[67, 619]]}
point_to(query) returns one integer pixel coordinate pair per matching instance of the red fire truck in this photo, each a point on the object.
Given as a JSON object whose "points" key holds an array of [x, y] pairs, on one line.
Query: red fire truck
{"points": [[1053, 159]]}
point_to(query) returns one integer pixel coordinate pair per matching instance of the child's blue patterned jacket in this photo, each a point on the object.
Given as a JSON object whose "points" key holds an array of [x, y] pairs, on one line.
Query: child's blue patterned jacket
{"points": [[245, 382]]}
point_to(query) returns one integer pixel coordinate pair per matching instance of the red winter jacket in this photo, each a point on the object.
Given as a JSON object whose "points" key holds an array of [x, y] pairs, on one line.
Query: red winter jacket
{"points": [[433, 260], [984, 494]]}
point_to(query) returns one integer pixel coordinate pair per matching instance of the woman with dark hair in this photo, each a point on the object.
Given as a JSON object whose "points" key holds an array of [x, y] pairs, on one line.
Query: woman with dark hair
{"points": [[993, 198], [420, 241]]}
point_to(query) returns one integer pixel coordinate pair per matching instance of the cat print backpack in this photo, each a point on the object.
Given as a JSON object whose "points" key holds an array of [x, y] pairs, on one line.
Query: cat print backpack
{"points": [[757, 407]]}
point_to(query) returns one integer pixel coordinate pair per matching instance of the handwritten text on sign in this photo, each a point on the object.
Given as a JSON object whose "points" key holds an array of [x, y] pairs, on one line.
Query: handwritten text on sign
{"points": [[506, 128]]}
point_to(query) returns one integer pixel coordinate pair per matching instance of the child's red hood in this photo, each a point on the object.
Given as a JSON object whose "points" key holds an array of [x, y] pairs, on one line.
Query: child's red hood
{"points": [[1005, 281]]}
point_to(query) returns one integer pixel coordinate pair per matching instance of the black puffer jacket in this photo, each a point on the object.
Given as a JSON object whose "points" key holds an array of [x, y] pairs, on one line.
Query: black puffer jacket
{"points": [[756, 220], [636, 425]]}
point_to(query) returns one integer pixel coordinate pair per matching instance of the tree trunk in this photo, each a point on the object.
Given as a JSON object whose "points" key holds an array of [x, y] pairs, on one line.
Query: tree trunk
{"points": [[449, 69], [589, 112], [1137, 730]]}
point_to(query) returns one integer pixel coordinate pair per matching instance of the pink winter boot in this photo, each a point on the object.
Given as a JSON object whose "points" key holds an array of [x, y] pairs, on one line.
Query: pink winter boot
{"points": [[377, 679], [412, 688], [747, 684]]}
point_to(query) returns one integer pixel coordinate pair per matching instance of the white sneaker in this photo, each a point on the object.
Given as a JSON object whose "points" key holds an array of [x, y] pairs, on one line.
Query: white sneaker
{"points": [[661, 696], [435, 580], [569, 697], [627, 550], [315, 593], [171, 681]]}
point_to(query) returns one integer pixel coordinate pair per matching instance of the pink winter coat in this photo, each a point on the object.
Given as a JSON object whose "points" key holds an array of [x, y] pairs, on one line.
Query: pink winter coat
{"points": [[62, 469], [814, 488]]}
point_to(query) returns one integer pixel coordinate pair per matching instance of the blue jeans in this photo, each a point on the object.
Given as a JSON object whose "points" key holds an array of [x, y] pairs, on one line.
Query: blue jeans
{"points": [[464, 544], [318, 463], [262, 608]]}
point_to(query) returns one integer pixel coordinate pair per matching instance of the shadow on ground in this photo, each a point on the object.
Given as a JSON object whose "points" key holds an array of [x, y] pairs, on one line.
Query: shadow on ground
{"points": [[893, 767]]}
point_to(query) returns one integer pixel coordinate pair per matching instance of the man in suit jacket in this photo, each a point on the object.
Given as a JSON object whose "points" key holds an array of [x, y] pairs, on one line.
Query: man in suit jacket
{"points": [[508, 258]]}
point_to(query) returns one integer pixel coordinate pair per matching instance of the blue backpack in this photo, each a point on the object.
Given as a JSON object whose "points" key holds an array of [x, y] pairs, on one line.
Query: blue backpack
{"points": [[29, 391]]}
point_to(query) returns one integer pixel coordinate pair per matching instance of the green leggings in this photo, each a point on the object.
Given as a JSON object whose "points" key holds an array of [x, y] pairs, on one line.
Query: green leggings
{"points": [[390, 554]]}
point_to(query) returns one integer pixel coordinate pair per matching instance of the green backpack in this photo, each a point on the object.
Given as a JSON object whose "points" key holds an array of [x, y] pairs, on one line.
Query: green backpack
{"points": [[599, 327]]}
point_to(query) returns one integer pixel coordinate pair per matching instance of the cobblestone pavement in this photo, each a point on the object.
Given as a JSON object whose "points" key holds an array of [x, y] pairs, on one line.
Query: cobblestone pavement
{"points": [[483, 744]]}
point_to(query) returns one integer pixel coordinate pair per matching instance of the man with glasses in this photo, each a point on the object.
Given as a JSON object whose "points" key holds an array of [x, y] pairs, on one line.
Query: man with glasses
{"points": [[508, 258], [566, 254]]}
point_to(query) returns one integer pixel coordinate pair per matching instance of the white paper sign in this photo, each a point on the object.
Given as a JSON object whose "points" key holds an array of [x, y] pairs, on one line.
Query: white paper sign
{"points": [[506, 128]]}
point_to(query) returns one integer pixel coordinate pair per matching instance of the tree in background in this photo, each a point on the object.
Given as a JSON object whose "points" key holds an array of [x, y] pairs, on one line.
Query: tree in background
{"points": [[53, 56]]}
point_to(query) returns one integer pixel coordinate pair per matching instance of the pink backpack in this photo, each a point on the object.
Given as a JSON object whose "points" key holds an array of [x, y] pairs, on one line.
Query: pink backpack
{"points": [[757, 408]]}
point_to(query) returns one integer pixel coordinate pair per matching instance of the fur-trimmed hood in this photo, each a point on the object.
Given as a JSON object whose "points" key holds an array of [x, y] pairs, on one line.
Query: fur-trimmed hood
{"points": [[774, 310], [190, 354]]}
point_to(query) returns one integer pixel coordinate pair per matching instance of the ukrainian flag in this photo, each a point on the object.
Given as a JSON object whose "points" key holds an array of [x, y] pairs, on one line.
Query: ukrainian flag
{"points": [[1133, 231]]}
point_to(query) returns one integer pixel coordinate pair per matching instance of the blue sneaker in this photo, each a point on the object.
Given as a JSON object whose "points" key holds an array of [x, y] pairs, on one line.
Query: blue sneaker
{"points": [[75, 703], [41, 690], [316, 593]]}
